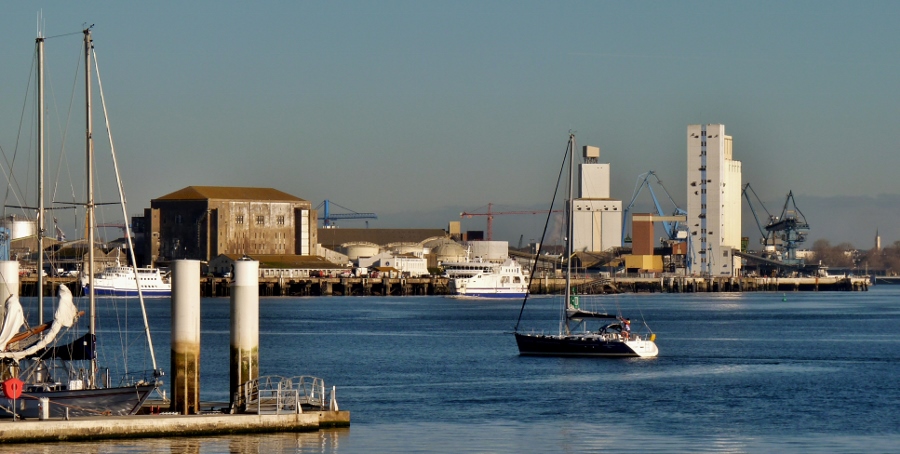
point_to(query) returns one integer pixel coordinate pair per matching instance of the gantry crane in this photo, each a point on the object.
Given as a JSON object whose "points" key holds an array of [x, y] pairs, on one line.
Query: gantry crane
{"points": [[490, 216], [328, 217]]}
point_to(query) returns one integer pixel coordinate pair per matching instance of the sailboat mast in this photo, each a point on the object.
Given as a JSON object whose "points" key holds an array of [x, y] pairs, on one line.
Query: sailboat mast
{"points": [[89, 208], [570, 205], [40, 165]]}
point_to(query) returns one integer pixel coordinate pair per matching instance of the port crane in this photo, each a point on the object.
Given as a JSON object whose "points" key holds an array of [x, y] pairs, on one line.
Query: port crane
{"points": [[790, 227], [490, 216], [765, 236], [329, 218], [673, 223]]}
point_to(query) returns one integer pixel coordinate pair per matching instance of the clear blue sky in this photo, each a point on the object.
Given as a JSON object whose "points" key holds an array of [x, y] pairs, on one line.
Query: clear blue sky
{"points": [[419, 110]]}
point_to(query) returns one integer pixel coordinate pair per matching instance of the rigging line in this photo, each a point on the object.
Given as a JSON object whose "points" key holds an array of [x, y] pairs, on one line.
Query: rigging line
{"points": [[65, 134], [543, 235], [64, 35], [12, 181], [124, 203]]}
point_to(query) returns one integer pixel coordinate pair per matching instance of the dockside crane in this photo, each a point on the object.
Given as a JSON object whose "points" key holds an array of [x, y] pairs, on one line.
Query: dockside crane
{"points": [[490, 216], [672, 227], [328, 218], [767, 239], [785, 231], [792, 228]]}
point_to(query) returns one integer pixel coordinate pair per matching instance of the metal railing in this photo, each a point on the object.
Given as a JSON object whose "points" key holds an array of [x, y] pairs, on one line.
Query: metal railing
{"points": [[273, 394]]}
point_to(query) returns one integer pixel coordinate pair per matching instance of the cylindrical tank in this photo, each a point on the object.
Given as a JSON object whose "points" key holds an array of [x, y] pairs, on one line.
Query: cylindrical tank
{"points": [[18, 226], [407, 248], [357, 250]]}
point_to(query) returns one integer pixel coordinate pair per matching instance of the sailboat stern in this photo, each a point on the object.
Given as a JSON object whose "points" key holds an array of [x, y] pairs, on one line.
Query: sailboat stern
{"points": [[644, 348]]}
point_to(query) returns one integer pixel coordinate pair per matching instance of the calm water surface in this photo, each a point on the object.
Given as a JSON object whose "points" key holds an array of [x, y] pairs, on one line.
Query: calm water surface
{"points": [[754, 372]]}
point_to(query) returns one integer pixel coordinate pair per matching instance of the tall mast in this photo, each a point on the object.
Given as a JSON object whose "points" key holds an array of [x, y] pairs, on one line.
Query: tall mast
{"points": [[89, 208], [570, 205], [40, 163]]}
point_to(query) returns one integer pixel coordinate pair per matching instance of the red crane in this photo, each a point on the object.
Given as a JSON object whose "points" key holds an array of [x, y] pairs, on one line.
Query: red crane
{"points": [[490, 217]]}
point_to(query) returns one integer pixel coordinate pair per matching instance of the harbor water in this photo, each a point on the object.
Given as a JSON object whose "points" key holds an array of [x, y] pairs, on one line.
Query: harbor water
{"points": [[747, 372]]}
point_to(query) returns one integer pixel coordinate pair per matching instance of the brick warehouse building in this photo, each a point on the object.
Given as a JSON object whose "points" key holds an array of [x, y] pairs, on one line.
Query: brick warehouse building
{"points": [[202, 222]]}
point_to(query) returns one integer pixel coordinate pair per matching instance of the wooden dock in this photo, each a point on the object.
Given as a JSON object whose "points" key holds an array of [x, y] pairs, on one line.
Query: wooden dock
{"points": [[436, 285]]}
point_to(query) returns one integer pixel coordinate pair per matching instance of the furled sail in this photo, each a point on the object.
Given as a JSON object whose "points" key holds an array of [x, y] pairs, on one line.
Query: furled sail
{"points": [[574, 314], [65, 316], [12, 322]]}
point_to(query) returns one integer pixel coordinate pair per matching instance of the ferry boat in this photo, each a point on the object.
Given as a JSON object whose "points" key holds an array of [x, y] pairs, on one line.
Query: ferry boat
{"points": [[120, 281], [482, 279]]}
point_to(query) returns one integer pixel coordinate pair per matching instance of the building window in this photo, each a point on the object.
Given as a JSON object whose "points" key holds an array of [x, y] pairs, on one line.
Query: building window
{"points": [[280, 220], [260, 220], [239, 219], [178, 219]]}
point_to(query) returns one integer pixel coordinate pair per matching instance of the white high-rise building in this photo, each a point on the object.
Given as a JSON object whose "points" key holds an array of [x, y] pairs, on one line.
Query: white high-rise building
{"points": [[714, 201], [597, 219]]}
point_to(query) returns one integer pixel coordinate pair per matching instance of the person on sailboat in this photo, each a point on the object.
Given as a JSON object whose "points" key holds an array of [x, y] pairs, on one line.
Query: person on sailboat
{"points": [[627, 331]]}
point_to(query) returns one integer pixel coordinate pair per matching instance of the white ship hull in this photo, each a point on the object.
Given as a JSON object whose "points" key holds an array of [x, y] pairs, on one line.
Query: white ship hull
{"points": [[120, 281], [487, 280]]}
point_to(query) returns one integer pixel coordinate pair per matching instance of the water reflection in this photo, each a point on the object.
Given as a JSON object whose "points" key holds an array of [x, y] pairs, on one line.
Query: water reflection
{"points": [[323, 441]]}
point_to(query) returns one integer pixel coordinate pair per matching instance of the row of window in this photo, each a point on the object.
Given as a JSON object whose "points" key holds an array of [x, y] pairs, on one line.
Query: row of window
{"points": [[239, 219], [260, 219]]}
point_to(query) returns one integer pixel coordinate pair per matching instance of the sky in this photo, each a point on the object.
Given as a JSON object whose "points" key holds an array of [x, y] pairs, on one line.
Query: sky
{"points": [[418, 111]]}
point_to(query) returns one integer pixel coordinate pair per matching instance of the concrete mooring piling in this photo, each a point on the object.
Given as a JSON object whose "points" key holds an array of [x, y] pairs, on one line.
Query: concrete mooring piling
{"points": [[244, 324], [186, 337]]}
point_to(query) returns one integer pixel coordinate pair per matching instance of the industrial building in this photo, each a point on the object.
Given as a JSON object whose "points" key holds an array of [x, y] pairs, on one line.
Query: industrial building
{"points": [[203, 222], [597, 218], [713, 201]]}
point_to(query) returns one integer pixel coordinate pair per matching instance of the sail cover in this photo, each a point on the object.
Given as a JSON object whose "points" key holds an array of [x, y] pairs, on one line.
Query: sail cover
{"points": [[65, 315], [12, 322], [579, 314], [83, 348]]}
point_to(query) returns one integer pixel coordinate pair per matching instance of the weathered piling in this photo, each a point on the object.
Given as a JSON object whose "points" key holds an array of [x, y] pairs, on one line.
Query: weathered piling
{"points": [[186, 337], [244, 324]]}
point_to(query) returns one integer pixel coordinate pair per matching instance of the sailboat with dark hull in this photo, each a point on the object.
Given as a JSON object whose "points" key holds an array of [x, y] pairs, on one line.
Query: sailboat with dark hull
{"points": [[31, 357], [611, 335]]}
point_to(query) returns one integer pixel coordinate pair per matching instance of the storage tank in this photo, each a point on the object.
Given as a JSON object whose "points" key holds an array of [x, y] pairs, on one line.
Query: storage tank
{"points": [[360, 249], [18, 226], [449, 252], [406, 248]]}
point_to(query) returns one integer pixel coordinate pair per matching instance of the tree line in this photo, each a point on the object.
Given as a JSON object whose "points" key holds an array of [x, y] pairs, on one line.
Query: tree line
{"points": [[844, 255]]}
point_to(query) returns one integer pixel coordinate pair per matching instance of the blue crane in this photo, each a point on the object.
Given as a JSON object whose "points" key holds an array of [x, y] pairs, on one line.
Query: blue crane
{"points": [[328, 217], [676, 230], [671, 227]]}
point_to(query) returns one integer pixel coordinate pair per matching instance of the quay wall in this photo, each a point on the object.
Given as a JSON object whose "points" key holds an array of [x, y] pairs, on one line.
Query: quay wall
{"points": [[382, 286], [98, 428]]}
